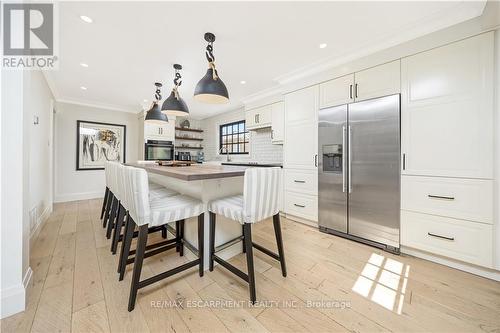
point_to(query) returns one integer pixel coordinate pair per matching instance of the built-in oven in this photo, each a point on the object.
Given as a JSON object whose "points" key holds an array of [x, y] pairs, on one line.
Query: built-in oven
{"points": [[156, 150]]}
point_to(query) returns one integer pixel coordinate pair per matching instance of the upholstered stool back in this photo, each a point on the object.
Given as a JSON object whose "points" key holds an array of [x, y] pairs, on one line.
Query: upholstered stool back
{"points": [[137, 188], [260, 193]]}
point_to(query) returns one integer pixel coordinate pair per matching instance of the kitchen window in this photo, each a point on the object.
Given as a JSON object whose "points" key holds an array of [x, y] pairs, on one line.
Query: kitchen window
{"points": [[234, 137]]}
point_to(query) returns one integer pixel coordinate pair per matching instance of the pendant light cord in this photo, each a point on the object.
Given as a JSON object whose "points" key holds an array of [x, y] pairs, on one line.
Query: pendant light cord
{"points": [[177, 83], [211, 60]]}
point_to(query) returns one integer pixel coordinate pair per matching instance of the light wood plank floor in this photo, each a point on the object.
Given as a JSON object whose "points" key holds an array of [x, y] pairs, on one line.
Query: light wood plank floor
{"points": [[333, 285]]}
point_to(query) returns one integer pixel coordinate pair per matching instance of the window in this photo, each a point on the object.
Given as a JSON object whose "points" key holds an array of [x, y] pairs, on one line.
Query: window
{"points": [[234, 137]]}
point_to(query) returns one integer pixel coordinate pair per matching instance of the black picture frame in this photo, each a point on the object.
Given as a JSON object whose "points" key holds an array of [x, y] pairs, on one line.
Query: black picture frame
{"points": [[123, 139]]}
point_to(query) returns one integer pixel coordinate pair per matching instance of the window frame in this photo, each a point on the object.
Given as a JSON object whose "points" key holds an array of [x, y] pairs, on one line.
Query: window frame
{"points": [[246, 144]]}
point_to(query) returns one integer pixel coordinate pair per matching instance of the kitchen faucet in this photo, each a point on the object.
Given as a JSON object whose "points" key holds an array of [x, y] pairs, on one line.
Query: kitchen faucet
{"points": [[228, 159]]}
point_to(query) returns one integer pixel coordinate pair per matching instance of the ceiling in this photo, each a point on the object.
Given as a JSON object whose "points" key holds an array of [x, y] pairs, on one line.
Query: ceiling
{"points": [[130, 45]]}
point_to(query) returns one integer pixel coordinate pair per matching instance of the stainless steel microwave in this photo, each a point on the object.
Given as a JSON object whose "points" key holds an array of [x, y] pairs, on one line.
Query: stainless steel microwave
{"points": [[156, 150]]}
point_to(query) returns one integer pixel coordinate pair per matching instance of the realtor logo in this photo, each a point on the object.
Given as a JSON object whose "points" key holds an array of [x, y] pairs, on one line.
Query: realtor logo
{"points": [[28, 35]]}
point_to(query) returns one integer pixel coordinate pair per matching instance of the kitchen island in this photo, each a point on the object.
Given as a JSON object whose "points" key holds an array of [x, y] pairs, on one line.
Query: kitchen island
{"points": [[206, 182]]}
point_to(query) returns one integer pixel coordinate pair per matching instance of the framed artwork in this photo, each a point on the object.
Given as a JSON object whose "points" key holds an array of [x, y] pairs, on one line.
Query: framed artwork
{"points": [[97, 143]]}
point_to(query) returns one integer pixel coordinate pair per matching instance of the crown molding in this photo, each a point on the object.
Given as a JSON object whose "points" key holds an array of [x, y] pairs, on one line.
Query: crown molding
{"points": [[98, 105]]}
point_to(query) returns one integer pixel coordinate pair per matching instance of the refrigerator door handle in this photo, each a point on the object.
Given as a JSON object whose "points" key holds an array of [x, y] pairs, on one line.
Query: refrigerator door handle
{"points": [[349, 156], [344, 160]]}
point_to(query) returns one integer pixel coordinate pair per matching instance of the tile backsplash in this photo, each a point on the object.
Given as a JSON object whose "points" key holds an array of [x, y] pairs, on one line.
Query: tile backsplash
{"points": [[261, 148]]}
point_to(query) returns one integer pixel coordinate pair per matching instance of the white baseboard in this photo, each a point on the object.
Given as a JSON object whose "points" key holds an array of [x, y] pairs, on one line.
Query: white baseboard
{"points": [[39, 224], [300, 220], [469, 268], [13, 299], [78, 196]]}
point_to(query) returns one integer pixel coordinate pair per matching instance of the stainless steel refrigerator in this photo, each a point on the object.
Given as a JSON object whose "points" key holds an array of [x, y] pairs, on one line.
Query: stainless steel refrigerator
{"points": [[359, 171]]}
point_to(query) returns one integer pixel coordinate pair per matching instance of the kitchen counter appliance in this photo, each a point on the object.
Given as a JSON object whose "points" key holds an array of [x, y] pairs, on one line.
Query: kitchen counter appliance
{"points": [[359, 171]]}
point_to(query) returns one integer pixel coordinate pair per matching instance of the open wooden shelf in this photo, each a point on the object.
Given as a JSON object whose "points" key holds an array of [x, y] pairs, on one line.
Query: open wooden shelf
{"points": [[188, 129], [193, 139]]}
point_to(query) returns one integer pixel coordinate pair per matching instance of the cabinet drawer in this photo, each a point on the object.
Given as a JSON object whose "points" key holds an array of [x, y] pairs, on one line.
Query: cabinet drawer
{"points": [[301, 205], [462, 240], [469, 199], [302, 181]]}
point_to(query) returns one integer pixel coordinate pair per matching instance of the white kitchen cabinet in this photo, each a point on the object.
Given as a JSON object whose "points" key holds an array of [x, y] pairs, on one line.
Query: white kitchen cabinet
{"points": [[259, 117], [337, 91], [278, 123], [447, 110], [462, 240], [378, 81], [301, 129], [164, 132], [301, 205]]}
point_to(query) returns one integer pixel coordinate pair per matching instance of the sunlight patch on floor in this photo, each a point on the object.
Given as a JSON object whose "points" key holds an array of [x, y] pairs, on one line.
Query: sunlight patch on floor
{"points": [[382, 280]]}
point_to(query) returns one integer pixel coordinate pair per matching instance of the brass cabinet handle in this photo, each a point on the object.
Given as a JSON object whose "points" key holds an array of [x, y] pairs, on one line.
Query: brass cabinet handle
{"points": [[442, 237], [440, 197]]}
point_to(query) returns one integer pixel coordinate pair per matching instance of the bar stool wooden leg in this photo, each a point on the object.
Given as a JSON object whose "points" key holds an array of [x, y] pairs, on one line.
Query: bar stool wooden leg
{"points": [[139, 257], [106, 192], [201, 231], [117, 230], [279, 242], [112, 217], [243, 241], [177, 234], [127, 241], [247, 230], [108, 209], [181, 237], [212, 241]]}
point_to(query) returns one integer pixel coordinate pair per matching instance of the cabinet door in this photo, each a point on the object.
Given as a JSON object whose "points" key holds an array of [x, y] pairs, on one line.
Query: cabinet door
{"points": [[382, 80], [152, 131], [250, 119], [278, 123], [447, 110], [337, 91], [168, 130], [264, 116], [301, 129]]}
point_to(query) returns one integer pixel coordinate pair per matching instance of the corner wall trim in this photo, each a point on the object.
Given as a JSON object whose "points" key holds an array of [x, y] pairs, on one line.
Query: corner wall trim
{"points": [[78, 196], [13, 299]]}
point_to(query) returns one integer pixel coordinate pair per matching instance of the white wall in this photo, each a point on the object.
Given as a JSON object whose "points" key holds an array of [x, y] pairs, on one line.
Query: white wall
{"points": [[261, 148], [14, 195], [77, 185], [38, 101], [496, 244]]}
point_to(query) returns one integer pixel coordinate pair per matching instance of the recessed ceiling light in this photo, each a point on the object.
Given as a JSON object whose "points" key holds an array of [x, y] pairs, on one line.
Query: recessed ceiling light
{"points": [[86, 19], [243, 82], [84, 64], [83, 88], [322, 45]]}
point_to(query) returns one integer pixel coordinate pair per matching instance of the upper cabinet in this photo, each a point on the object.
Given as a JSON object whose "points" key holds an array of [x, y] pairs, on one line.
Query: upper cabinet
{"points": [[160, 132], [337, 91], [447, 110], [382, 80], [378, 81], [258, 118], [278, 122]]}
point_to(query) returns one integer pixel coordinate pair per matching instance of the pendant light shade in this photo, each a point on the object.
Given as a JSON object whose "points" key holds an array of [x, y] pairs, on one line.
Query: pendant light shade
{"points": [[154, 114], [211, 89], [174, 105]]}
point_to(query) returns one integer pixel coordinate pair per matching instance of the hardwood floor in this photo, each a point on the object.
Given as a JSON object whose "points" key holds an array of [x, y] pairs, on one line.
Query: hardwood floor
{"points": [[333, 285]]}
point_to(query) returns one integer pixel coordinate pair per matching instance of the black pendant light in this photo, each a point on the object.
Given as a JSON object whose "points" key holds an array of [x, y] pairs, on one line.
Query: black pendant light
{"points": [[174, 105], [211, 89], [154, 114]]}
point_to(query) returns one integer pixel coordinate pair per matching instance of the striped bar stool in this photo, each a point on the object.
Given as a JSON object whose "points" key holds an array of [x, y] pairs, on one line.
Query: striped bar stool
{"points": [[157, 192], [258, 202], [115, 202], [146, 212]]}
